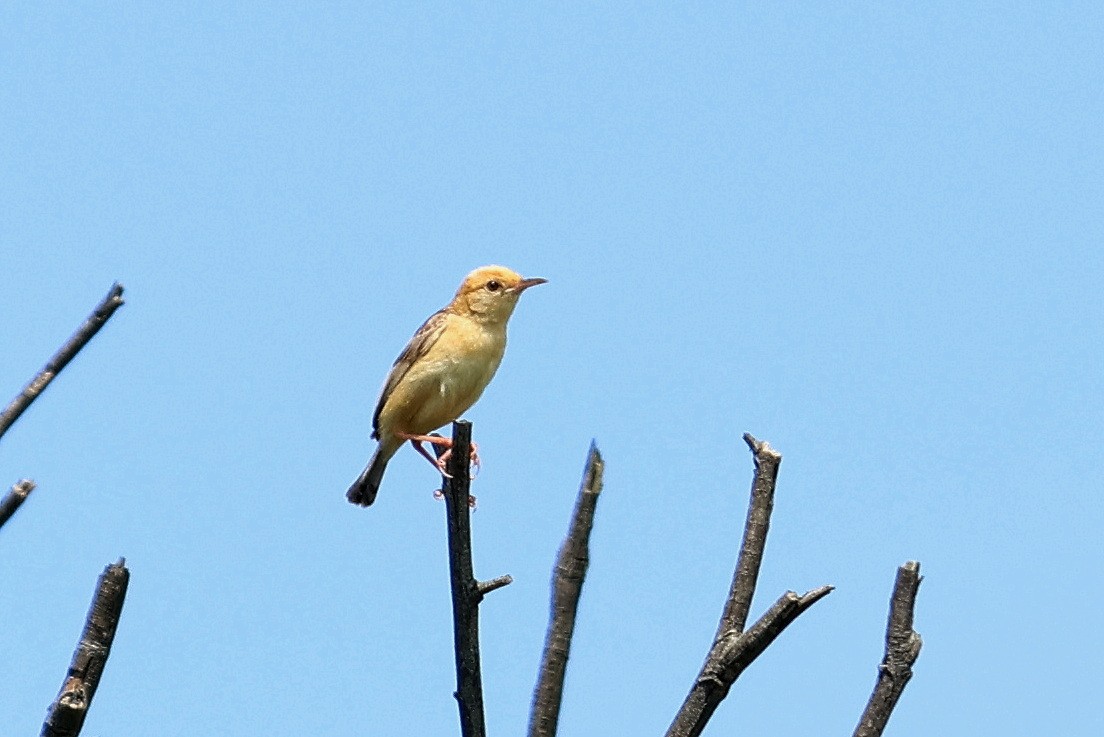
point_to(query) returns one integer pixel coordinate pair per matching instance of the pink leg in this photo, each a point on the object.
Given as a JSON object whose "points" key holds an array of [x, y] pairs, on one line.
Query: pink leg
{"points": [[417, 440], [440, 463]]}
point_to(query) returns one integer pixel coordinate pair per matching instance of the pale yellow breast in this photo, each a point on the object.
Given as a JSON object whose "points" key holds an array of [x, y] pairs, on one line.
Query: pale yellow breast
{"points": [[449, 379]]}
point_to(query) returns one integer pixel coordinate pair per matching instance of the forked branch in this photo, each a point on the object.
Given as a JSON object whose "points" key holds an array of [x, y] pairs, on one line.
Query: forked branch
{"points": [[733, 649]]}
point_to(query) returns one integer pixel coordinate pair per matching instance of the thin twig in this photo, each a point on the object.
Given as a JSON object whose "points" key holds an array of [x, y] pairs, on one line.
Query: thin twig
{"points": [[903, 645], [67, 713], [103, 312], [486, 587], [467, 591], [14, 498], [733, 649], [567, 584]]}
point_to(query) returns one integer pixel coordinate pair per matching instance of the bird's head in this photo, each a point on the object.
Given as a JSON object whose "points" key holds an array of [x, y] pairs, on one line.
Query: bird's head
{"points": [[490, 293]]}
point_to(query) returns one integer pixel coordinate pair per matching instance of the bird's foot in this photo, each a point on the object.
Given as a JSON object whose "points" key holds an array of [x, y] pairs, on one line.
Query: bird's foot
{"points": [[473, 460], [442, 464]]}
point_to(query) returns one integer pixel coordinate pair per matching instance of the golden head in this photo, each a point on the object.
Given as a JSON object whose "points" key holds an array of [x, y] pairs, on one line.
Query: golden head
{"points": [[490, 293]]}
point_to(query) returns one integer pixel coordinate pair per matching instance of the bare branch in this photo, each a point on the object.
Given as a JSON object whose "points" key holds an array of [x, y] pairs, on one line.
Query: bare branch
{"points": [[567, 585], [903, 645], [104, 310], [467, 592], [14, 498], [760, 507], [733, 649], [67, 713]]}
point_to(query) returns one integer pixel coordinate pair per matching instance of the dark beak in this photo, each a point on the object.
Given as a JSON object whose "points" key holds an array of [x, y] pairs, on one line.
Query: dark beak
{"points": [[526, 283]]}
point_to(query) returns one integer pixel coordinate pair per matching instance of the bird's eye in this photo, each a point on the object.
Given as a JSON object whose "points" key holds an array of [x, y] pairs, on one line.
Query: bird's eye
{"points": [[493, 285]]}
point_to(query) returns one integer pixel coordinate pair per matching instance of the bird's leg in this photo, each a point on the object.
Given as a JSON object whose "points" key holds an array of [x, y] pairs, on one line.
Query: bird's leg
{"points": [[439, 463], [417, 440]]}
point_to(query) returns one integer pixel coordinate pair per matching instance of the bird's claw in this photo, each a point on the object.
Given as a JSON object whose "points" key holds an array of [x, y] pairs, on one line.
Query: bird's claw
{"points": [[475, 463], [442, 462], [440, 495]]}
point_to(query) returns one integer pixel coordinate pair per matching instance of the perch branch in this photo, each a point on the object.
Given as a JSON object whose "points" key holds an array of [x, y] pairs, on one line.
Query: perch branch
{"points": [[14, 498], [901, 651], [66, 715], [733, 649], [467, 592], [567, 584], [103, 312]]}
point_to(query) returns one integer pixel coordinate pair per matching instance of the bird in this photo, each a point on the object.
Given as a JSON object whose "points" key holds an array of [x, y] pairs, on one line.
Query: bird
{"points": [[442, 372]]}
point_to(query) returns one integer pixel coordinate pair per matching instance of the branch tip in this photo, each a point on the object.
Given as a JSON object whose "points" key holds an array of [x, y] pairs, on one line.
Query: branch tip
{"points": [[14, 499], [87, 330], [809, 598], [568, 575], [761, 448], [67, 714], [902, 648]]}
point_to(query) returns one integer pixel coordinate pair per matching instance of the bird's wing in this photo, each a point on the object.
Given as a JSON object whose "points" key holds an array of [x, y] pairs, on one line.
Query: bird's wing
{"points": [[428, 334]]}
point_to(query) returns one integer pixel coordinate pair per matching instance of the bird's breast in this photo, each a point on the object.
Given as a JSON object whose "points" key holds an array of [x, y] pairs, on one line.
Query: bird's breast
{"points": [[453, 374], [467, 366]]}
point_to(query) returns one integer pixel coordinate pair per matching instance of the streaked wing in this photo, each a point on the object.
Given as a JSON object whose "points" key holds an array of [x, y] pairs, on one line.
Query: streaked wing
{"points": [[428, 334]]}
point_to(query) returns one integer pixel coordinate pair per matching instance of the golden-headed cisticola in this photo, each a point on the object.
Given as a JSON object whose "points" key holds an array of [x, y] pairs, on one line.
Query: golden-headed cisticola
{"points": [[442, 371]]}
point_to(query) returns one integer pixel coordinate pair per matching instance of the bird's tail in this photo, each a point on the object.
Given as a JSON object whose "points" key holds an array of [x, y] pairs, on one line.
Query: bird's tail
{"points": [[364, 489]]}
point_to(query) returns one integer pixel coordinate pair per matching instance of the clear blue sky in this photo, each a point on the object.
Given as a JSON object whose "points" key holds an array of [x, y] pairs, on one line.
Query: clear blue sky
{"points": [[869, 234]]}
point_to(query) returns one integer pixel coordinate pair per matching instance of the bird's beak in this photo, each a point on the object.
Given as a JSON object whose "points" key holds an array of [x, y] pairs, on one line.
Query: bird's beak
{"points": [[526, 283]]}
